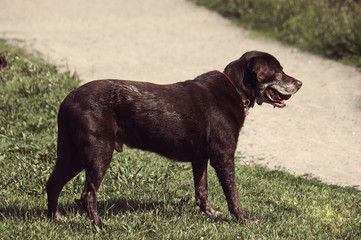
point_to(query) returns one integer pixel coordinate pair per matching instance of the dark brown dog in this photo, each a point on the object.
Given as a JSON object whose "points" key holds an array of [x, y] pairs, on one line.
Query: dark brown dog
{"points": [[190, 121]]}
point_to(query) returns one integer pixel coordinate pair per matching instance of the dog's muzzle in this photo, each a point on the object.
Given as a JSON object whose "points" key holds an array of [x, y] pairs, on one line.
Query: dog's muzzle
{"points": [[277, 94]]}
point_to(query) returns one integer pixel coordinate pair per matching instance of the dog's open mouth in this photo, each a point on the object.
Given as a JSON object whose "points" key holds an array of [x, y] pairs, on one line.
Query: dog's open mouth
{"points": [[277, 98]]}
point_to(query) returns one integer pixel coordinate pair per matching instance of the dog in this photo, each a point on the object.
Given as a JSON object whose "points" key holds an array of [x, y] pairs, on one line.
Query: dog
{"points": [[192, 121]]}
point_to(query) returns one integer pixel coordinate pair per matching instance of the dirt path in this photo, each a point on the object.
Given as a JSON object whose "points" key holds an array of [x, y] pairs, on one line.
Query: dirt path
{"points": [[166, 41]]}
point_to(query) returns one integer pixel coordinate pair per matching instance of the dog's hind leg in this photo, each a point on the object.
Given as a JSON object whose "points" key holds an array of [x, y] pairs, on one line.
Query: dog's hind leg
{"points": [[63, 172], [95, 172], [60, 176]]}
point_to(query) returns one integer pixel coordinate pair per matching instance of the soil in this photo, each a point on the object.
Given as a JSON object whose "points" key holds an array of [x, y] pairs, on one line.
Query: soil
{"points": [[165, 41]]}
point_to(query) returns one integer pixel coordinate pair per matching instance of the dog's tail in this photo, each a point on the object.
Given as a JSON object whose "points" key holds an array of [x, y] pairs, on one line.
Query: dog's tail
{"points": [[64, 142]]}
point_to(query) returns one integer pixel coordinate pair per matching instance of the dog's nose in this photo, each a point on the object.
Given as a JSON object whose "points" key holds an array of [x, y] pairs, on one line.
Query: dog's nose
{"points": [[298, 84]]}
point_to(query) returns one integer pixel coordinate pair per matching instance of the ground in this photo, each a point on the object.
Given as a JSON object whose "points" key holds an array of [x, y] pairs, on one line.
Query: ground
{"points": [[165, 41]]}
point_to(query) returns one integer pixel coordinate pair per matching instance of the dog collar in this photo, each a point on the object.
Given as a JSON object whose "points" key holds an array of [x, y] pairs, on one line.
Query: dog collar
{"points": [[245, 100]]}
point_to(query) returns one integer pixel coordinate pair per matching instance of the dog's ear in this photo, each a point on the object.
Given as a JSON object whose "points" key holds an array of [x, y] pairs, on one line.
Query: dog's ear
{"points": [[261, 68]]}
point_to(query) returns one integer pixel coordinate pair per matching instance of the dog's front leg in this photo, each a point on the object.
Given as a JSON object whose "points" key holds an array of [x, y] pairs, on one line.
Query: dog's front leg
{"points": [[224, 167], [201, 186]]}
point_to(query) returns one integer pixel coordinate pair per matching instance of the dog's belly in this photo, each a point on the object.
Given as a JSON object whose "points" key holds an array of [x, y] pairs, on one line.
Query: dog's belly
{"points": [[171, 141]]}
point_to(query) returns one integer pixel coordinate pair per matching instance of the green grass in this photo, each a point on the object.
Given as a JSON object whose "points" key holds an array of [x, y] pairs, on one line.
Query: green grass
{"points": [[143, 196], [331, 28]]}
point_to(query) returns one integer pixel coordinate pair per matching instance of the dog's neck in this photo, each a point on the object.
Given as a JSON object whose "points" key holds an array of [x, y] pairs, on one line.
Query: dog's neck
{"points": [[242, 79], [245, 100]]}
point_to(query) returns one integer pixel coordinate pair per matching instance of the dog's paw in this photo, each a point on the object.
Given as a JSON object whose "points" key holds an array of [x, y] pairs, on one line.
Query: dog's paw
{"points": [[58, 217], [255, 221], [213, 213], [252, 221]]}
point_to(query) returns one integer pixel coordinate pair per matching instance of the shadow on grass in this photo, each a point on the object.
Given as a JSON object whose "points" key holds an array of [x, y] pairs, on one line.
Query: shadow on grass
{"points": [[21, 213], [122, 205], [113, 207], [167, 209]]}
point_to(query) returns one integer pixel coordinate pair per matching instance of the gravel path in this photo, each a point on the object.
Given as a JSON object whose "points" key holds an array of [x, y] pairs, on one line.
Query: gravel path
{"points": [[166, 41]]}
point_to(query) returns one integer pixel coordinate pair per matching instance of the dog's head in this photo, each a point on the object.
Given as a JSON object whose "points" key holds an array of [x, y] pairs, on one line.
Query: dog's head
{"points": [[261, 77]]}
